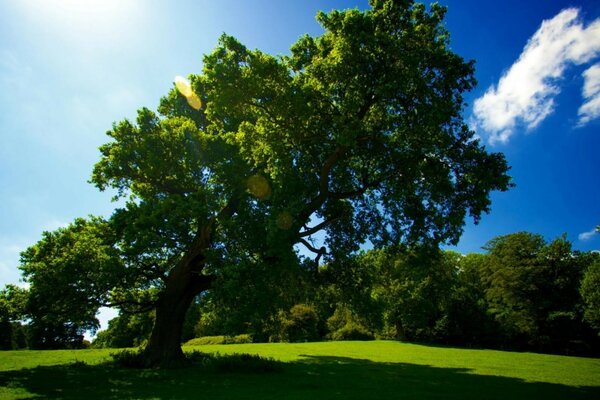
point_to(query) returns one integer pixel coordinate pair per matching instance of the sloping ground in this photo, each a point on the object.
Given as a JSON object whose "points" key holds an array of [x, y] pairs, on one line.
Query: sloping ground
{"points": [[531, 367], [345, 370]]}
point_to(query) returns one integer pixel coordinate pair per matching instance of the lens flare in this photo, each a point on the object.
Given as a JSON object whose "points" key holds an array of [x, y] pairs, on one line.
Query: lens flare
{"points": [[284, 220], [194, 101], [259, 187], [183, 86]]}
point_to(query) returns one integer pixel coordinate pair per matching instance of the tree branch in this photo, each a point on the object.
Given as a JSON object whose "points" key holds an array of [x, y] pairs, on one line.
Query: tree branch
{"points": [[317, 228], [331, 161], [354, 193], [320, 199], [310, 247], [143, 306], [328, 166]]}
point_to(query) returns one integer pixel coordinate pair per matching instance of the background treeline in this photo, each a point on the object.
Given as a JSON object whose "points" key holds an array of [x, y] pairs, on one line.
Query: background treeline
{"points": [[523, 293]]}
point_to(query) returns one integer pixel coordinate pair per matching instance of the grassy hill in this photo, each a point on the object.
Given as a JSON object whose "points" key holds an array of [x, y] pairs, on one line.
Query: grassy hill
{"points": [[326, 370]]}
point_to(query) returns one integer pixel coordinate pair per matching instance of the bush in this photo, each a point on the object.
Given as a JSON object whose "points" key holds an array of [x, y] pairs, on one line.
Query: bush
{"points": [[352, 331], [235, 363], [301, 324], [207, 340], [128, 359], [344, 325]]}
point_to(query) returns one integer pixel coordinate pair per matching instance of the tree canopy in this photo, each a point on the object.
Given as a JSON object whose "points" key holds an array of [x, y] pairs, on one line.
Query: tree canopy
{"points": [[357, 133], [13, 306]]}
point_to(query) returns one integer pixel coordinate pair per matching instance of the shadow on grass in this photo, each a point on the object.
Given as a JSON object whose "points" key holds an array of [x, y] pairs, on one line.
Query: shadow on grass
{"points": [[315, 377]]}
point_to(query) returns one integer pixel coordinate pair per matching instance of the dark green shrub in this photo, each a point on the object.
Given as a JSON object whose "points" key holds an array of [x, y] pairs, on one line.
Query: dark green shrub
{"points": [[301, 324], [344, 325], [352, 331], [245, 363], [128, 359], [206, 340]]}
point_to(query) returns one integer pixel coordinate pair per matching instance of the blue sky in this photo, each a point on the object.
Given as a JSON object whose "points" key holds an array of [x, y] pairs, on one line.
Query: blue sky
{"points": [[69, 68]]}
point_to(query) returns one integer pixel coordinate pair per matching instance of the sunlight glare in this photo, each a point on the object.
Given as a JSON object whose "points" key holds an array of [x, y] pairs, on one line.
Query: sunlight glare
{"points": [[85, 22], [183, 86], [194, 101]]}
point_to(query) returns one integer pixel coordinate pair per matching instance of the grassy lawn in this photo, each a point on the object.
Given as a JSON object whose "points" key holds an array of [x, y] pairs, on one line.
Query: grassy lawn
{"points": [[329, 370]]}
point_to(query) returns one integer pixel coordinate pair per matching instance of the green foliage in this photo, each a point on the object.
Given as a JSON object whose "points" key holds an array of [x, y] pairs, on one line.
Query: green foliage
{"points": [[13, 306], [348, 285], [192, 317], [230, 363], [126, 330], [415, 287], [129, 359], [352, 331], [206, 340], [344, 325], [236, 363], [532, 289], [469, 321], [71, 273], [360, 128], [249, 298], [590, 292], [301, 324]]}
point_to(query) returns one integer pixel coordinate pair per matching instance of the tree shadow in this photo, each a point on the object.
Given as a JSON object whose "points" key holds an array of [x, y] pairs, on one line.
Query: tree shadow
{"points": [[314, 377]]}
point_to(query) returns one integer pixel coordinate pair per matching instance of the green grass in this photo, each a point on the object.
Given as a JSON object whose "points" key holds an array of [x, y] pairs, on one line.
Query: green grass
{"points": [[344, 370]]}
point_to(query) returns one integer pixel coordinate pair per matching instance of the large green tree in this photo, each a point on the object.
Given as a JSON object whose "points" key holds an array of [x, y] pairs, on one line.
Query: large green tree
{"points": [[357, 133]]}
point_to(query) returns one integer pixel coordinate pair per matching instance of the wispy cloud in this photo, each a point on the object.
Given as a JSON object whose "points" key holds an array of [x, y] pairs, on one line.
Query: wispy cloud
{"points": [[591, 93], [525, 94], [587, 235]]}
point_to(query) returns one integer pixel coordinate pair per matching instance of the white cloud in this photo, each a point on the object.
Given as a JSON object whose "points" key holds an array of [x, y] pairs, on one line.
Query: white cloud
{"points": [[587, 235], [591, 93], [525, 94]]}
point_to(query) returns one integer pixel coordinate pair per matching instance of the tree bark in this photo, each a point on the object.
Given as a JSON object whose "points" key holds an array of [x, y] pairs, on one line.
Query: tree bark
{"points": [[400, 333], [185, 281], [164, 347]]}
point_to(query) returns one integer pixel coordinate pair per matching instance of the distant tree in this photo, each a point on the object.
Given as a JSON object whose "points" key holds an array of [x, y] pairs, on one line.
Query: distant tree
{"points": [[532, 288], [469, 321], [126, 330], [590, 292], [192, 317], [347, 287], [414, 286], [13, 303], [71, 272], [249, 298]]}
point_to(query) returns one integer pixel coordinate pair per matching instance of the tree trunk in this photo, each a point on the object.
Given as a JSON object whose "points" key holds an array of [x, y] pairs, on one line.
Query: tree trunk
{"points": [[164, 347], [400, 333]]}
